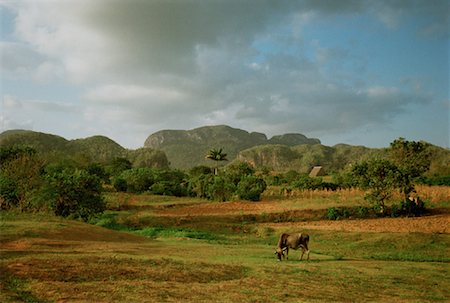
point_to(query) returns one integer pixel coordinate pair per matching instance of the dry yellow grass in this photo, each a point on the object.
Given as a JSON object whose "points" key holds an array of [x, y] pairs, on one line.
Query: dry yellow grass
{"points": [[46, 259]]}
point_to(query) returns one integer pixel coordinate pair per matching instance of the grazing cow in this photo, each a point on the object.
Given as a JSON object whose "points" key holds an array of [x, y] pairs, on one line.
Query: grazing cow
{"points": [[294, 241]]}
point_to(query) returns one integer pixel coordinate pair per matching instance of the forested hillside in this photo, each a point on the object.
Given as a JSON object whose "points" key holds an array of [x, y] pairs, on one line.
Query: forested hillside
{"points": [[184, 149], [92, 149], [302, 158]]}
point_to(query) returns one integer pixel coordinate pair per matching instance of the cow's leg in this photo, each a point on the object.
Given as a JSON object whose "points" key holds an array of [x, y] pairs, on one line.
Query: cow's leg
{"points": [[305, 248], [287, 253]]}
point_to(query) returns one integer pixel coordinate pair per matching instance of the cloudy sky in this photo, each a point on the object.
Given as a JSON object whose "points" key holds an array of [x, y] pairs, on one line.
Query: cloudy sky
{"points": [[343, 71]]}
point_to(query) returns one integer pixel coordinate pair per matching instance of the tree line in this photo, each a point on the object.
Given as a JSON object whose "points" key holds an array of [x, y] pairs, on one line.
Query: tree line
{"points": [[72, 186]]}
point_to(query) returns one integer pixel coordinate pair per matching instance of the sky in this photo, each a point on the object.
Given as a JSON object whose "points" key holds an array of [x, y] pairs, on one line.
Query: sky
{"points": [[343, 71]]}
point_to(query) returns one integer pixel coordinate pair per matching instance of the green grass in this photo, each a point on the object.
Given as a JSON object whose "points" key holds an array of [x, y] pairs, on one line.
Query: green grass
{"points": [[156, 232], [133, 255]]}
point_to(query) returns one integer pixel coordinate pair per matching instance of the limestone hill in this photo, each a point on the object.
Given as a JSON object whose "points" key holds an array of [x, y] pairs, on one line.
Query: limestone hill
{"points": [[187, 148]]}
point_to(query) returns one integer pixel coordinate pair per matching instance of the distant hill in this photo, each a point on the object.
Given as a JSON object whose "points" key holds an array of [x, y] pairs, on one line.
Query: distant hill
{"points": [[42, 142], [187, 148], [99, 148], [95, 148]]}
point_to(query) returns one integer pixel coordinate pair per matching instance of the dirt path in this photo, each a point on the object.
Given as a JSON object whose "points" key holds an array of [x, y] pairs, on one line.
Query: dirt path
{"points": [[427, 224]]}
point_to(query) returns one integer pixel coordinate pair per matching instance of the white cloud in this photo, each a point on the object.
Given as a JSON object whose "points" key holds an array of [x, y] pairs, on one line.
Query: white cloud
{"points": [[177, 64], [121, 93]]}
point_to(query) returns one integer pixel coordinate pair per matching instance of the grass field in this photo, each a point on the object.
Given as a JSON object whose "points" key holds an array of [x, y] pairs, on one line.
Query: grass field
{"points": [[165, 249]]}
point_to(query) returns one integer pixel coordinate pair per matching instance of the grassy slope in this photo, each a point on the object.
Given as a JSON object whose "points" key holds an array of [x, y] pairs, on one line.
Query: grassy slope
{"points": [[46, 259]]}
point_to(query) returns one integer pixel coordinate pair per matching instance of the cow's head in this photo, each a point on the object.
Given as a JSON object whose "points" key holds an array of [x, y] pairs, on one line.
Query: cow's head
{"points": [[280, 253]]}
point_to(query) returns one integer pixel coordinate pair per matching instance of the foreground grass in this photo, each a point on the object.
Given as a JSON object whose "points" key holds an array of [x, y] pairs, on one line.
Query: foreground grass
{"points": [[46, 259]]}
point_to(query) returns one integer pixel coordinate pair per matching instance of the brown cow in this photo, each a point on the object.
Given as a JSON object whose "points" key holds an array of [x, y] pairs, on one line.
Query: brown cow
{"points": [[293, 241]]}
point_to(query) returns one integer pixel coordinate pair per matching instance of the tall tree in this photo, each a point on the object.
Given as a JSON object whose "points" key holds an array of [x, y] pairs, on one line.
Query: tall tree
{"points": [[216, 155], [412, 159]]}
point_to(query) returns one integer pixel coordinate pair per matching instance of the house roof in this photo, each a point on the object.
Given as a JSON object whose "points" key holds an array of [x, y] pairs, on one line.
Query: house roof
{"points": [[317, 171]]}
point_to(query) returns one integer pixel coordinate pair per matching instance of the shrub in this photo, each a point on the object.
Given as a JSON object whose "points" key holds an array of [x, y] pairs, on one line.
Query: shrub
{"points": [[305, 182], [198, 185], [251, 188], [363, 212], [408, 208], [168, 188], [236, 171], [220, 189], [120, 184], [436, 180], [138, 179], [333, 213], [21, 172], [74, 194], [9, 193], [98, 170]]}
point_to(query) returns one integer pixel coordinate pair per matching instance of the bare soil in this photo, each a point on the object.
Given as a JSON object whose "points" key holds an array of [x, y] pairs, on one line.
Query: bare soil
{"points": [[437, 222], [428, 224]]}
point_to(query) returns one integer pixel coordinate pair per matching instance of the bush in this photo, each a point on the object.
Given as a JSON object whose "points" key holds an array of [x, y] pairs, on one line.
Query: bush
{"points": [[408, 208], [74, 194], [168, 188], [120, 184], [198, 185], [220, 189], [437, 180], [9, 193], [333, 213], [305, 182], [236, 171], [251, 188]]}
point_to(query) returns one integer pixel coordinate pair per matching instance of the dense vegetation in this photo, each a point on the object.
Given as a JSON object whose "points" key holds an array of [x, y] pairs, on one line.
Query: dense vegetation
{"points": [[187, 149], [223, 250], [41, 172]]}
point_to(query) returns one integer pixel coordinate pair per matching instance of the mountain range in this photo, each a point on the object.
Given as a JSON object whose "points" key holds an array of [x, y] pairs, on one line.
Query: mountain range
{"points": [[184, 149]]}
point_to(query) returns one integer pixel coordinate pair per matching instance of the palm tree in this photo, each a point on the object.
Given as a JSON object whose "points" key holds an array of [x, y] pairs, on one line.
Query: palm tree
{"points": [[216, 155]]}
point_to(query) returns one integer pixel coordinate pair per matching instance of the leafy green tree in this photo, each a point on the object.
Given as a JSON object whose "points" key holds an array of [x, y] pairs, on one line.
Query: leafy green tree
{"points": [[412, 159], [236, 171], [117, 166], [291, 176], [216, 155], [170, 183], [138, 179], [98, 170], [379, 177]]}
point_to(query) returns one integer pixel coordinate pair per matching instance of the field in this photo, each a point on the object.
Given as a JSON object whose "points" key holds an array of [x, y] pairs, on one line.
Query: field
{"points": [[164, 249]]}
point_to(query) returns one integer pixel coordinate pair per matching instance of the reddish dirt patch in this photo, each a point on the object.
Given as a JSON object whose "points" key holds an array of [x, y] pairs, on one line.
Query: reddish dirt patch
{"points": [[427, 224], [225, 208]]}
